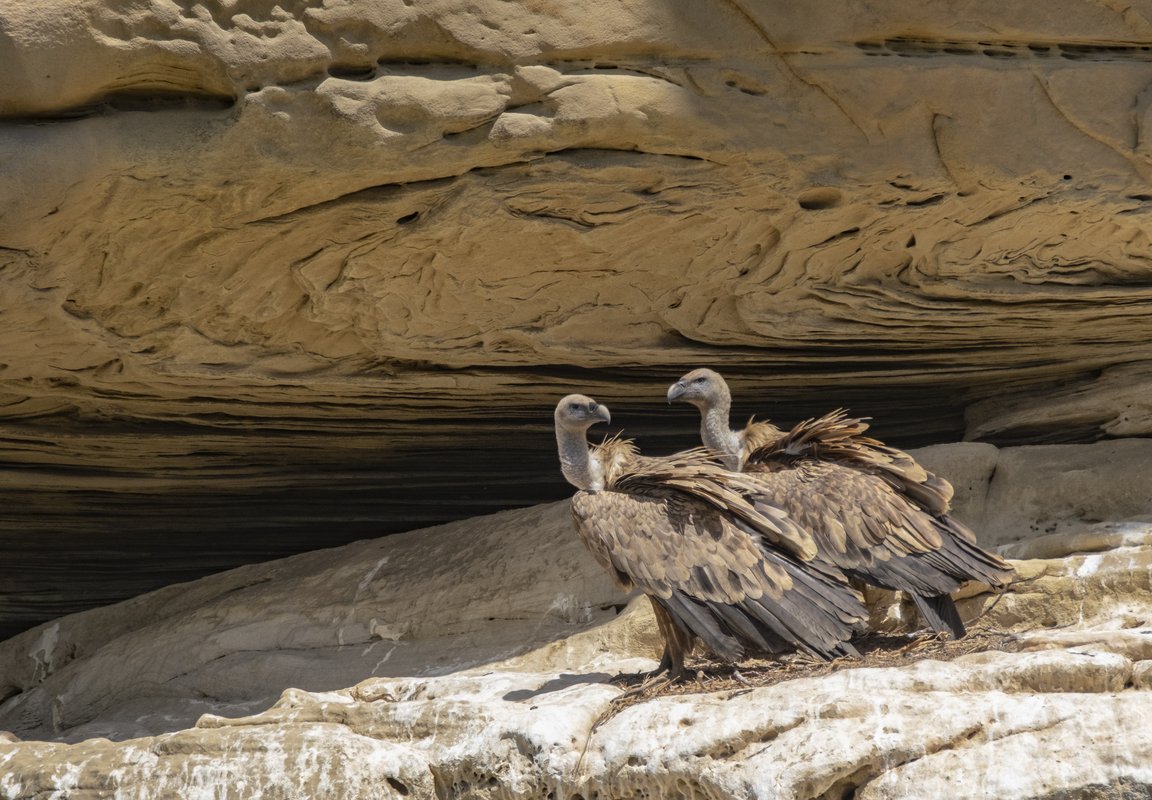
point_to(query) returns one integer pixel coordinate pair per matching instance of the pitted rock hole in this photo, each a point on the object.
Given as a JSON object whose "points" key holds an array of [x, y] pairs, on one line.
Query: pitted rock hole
{"points": [[821, 198]]}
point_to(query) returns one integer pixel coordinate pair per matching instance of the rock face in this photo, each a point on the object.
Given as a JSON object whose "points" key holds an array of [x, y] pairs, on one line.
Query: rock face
{"points": [[258, 259], [283, 203], [277, 276], [471, 660], [280, 203], [941, 730]]}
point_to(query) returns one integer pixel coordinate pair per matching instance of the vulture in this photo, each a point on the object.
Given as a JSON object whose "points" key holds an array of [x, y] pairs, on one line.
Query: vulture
{"points": [[873, 511], [716, 569]]}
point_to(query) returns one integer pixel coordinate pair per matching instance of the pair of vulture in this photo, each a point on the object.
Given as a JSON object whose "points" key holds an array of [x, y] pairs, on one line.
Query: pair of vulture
{"points": [[748, 544]]}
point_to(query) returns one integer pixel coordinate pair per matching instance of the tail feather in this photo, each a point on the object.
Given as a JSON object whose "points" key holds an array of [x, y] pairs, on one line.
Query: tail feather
{"points": [[940, 613], [982, 565], [694, 616], [846, 649]]}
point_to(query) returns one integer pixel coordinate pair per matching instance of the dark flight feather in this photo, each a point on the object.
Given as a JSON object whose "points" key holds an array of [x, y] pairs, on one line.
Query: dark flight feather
{"points": [[874, 512]]}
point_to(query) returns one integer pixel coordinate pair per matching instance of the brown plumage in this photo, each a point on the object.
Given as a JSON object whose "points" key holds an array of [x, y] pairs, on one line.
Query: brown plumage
{"points": [[716, 567], [874, 512]]}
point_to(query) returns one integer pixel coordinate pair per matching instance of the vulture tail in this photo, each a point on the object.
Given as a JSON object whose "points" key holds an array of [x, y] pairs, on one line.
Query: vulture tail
{"points": [[762, 639], [940, 612], [978, 563], [846, 649], [695, 617]]}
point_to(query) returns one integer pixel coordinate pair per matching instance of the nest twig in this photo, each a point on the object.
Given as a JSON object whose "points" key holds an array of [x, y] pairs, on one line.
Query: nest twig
{"points": [[876, 650]]}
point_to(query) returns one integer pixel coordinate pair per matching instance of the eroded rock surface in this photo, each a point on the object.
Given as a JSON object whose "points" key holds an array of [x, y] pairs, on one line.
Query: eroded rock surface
{"points": [[278, 250], [270, 192], [935, 730], [969, 728], [472, 660]]}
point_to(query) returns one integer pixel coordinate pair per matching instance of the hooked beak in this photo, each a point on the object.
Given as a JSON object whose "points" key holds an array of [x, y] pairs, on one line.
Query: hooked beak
{"points": [[676, 391], [603, 413]]}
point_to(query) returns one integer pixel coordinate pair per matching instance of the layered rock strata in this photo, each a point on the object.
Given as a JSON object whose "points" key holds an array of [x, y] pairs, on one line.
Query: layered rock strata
{"points": [[472, 660], [276, 276]]}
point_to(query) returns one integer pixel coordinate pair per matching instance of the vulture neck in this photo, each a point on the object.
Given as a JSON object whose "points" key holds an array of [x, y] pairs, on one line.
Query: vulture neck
{"points": [[580, 466], [717, 436]]}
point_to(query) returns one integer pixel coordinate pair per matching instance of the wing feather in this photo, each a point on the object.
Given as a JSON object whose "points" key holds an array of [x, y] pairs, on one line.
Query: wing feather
{"points": [[703, 566], [847, 511], [886, 540], [694, 474], [836, 437]]}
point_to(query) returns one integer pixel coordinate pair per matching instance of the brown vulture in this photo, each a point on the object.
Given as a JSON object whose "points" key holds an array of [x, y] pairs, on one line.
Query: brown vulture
{"points": [[873, 511], [716, 568]]}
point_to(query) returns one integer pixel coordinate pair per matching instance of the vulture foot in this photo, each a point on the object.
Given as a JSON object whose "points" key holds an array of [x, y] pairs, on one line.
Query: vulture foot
{"points": [[736, 676], [670, 670]]}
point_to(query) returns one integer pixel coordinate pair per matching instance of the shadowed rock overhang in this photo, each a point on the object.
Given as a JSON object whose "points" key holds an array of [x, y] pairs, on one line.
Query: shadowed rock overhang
{"points": [[274, 277]]}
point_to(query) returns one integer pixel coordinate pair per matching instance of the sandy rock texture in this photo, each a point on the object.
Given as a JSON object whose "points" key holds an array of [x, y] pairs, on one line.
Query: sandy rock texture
{"points": [[279, 276], [939, 729], [220, 208], [472, 659], [258, 259]]}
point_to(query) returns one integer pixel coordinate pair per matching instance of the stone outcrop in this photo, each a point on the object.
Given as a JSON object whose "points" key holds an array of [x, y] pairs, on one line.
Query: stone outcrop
{"points": [[269, 193], [1064, 722], [281, 203], [472, 660], [277, 276], [258, 259]]}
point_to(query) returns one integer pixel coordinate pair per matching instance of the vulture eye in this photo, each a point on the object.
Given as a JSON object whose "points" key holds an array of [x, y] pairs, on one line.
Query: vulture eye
{"points": [[574, 407], [701, 379], [591, 406]]}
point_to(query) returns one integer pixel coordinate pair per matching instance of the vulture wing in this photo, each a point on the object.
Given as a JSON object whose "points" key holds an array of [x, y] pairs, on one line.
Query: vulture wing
{"points": [[863, 525], [694, 474], [715, 580], [838, 438]]}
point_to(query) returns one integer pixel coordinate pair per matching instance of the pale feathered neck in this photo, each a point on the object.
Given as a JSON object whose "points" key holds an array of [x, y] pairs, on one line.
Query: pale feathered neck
{"points": [[580, 465], [716, 434]]}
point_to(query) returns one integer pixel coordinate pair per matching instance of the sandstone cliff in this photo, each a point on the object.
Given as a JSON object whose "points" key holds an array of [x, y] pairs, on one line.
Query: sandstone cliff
{"points": [[257, 259], [265, 205], [277, 276], [472, 660]]}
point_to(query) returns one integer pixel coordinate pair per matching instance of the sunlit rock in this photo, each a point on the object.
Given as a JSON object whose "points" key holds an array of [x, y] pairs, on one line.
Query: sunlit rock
{"points": [[276, 277], [473, 659]]}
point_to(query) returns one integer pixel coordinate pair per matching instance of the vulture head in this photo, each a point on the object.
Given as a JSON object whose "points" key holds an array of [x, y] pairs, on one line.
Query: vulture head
{"points": [[703, 388], [577, 413]]}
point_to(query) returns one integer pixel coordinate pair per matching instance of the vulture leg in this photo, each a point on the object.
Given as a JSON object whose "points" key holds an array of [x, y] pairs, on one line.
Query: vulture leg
{"points": [[940, 613], [677, 644]]}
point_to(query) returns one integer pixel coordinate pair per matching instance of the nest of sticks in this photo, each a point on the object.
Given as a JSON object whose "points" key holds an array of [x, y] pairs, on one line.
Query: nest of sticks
{"points": [[876, 650]]}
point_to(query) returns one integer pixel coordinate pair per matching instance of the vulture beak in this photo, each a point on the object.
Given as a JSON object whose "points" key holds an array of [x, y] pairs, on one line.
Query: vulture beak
{"points": [[676, 391], [602, 413]]}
